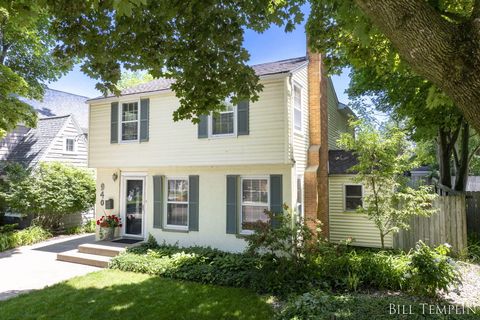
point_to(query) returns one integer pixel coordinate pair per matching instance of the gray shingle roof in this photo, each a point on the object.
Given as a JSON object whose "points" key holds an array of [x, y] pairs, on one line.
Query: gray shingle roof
{"points": [[264, 69], [340, 162], [33, 146], [59, 103]]}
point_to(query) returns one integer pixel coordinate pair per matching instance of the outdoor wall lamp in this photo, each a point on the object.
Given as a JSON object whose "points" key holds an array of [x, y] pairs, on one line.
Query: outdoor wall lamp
{"points": [[114, 176]]}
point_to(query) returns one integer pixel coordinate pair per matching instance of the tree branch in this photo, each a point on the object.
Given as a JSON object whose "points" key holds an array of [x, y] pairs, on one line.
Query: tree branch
{"points": [[476, 10]]}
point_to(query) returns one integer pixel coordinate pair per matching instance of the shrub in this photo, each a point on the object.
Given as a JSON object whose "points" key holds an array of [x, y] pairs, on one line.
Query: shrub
{"points": [[28, 236], [88, 227], [322, 305], [431, 269], [50, 192]]}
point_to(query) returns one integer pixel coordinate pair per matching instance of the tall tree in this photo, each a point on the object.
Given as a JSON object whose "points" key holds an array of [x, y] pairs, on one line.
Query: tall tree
{"points": [[438, 39], [26, 60], [198, 44]]}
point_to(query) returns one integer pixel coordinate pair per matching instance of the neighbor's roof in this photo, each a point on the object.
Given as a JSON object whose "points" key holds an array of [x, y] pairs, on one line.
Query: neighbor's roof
{"points": [[58, 103], [340, 162], [30, 150], [264, 69]]}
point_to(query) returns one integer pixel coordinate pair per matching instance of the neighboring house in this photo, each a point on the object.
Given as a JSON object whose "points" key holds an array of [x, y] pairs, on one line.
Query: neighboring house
{"points": [[203, 184], [60, 134]]}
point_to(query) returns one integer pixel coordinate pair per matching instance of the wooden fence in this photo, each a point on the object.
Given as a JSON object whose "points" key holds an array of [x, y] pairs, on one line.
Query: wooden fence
{"points": [[448, 225], [473, 213]]}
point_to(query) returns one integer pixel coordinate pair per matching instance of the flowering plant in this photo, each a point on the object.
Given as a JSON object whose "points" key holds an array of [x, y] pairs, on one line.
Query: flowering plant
{"points": [[110, 221]]}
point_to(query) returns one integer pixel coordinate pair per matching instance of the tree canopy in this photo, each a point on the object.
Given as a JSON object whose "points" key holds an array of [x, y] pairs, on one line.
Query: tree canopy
{"points": [[26, 60], [439, 40]]}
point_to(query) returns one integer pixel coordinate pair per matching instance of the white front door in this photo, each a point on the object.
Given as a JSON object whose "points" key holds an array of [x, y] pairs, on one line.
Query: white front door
{"points": [[133, 206]]}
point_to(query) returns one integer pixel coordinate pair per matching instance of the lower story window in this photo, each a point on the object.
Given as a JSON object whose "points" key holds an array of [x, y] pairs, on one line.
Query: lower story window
{"points": [[177, 202], [353, 197], [300, 195], [255, 200]]}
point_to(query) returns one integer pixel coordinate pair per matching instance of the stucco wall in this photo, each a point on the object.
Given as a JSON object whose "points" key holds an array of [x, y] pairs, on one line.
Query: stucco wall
{"points": [[212, 204]]}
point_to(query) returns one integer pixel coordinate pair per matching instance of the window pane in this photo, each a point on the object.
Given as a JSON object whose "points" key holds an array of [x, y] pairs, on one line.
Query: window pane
{"points": [[130, 111], [177, 214], [353, 203], [177, 190], [130, 131], [252, 214], [69, 144], [297, 97], [223, 123], [255, 190], [297, 114], [355, 191]]}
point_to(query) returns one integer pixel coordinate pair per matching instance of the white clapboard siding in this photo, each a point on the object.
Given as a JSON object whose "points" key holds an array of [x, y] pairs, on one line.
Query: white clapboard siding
{"points": [[176, 143], [56, 150], [300, 138], [344, 225], [337, 122]]}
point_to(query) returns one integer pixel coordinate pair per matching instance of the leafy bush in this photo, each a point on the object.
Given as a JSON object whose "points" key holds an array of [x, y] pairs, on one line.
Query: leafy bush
{"points": [[318, 305], [31, 235], [88, 227], [432, 269], [50, 192]]}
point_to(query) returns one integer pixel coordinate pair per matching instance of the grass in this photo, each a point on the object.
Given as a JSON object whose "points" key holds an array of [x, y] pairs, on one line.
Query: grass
{"points": [[114, 294]]}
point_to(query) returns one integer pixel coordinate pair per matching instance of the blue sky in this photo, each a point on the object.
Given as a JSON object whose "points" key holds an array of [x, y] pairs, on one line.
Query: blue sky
{"points": [[272, 45]]}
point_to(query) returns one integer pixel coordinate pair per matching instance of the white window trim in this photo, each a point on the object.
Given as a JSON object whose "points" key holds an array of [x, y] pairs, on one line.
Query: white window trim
{"points": [[295, 129], [120, 122], [173, 226], [301, 176], [65, 145], [225, 135], [260, 177], [345, 195]]}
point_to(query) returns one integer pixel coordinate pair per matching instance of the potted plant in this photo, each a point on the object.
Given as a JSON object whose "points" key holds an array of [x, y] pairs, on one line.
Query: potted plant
{"points": [[107, 225]]}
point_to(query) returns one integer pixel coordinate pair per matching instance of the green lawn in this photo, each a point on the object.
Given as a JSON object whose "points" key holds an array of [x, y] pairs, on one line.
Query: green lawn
{"points": [[113, 294]]}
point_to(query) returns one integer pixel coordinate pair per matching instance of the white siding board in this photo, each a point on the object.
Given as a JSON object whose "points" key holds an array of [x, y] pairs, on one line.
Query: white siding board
{"points": [[176, 143], [56, 151], [350, 224]]}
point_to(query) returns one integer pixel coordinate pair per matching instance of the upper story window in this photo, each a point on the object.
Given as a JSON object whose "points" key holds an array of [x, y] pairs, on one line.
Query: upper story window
{"points": [[70, 145], [255, 200], [353, 197], [129, 121], [223, 122], [297, 108], [177, 203]]}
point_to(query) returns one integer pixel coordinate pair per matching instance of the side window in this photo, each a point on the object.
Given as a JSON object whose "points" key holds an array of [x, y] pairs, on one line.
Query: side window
{"points": [[353, 197], [297, 108], [300, 195], [70, 145]]}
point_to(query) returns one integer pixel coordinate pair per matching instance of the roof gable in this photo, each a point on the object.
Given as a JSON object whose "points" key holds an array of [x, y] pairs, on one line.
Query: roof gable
{"points": [[36, 142]]}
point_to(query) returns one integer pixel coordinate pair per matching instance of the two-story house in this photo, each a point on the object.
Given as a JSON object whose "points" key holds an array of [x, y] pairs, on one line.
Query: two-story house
{"points": [[203, 184]]}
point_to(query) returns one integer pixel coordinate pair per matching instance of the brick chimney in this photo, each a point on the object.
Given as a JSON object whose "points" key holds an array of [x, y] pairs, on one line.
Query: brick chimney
{"points": [[316, 173]]}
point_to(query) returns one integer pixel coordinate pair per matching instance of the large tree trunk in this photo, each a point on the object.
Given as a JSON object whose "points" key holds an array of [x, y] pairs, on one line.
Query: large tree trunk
{"points": [[444, 154], [462, 161], [446, 53]]}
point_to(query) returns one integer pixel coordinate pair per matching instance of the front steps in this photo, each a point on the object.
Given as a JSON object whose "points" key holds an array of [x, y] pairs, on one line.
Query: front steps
{"points": [[91, 254]]}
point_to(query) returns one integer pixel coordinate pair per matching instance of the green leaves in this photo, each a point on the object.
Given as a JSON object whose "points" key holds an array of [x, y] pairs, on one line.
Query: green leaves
{"points": [[49, 192], [384, 156], [198, 44]]}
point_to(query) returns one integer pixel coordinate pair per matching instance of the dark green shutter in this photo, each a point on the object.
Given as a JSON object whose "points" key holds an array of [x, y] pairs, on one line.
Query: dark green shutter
{"points": [[158, 184], [144, 117], [203, 126], [276, 197], [243, 126], [232, 204], [193, 197], [114, 122]]}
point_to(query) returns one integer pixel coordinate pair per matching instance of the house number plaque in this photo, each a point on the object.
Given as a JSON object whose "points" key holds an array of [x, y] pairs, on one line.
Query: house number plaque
{"points": [[102, 194]]}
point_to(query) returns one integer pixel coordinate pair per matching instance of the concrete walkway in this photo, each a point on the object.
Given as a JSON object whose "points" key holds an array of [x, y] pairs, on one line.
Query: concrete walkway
{"points": [[35, 267]]}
